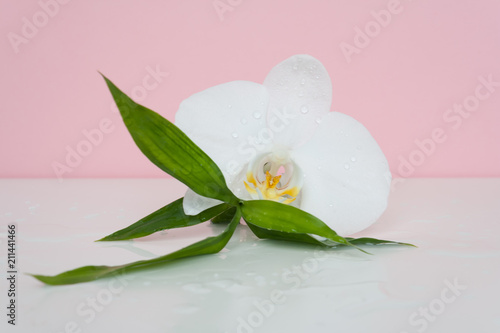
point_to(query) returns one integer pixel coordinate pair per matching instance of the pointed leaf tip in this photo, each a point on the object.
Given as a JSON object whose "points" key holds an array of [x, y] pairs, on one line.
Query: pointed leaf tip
{"points": [[168, 217], [170, 149]]}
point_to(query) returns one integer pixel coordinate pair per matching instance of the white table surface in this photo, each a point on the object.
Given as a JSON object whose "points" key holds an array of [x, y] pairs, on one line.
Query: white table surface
{"points": [[455, 223]]}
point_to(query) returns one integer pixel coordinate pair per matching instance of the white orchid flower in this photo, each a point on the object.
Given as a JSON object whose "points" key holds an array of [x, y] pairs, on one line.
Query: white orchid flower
{"points": [[279, 141]]}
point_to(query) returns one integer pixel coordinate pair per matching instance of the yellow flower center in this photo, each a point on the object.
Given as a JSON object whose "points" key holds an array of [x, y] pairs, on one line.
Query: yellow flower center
{"points": [[274, 178]]}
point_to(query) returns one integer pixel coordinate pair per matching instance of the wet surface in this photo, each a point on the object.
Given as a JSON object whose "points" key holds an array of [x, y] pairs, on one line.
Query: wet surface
{"points": [[449, 283]]}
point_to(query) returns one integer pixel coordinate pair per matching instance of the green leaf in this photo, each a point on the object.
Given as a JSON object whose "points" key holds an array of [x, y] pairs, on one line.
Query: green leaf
{"points": [[170, 149], [169, 217], [284, 236], [374, 241], [276, 216], [304, 238], [90, 273], [224, 217]]}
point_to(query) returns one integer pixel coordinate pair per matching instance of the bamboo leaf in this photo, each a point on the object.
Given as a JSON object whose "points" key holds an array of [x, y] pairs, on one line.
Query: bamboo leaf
{"points": [[304, 238], [224, 217], [90, 273], [168, 217], [275, 216], [284, 236], [374, 241], [170, 149]]}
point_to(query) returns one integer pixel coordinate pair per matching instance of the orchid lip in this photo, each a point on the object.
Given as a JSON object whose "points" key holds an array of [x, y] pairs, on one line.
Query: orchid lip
{"points": [[274, 176]]}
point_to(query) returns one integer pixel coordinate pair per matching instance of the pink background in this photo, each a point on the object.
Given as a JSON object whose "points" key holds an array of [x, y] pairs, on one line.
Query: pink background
{"points": [[400, 86]]}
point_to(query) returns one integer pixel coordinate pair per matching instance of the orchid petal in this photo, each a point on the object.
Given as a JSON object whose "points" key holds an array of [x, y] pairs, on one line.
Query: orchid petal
{"points": [[226, 122], [193, 203], [300, 92], [346, 175]]}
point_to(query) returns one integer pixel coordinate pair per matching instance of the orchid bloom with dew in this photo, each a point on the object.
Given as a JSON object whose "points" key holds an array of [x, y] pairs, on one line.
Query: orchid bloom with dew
{"points": [[279, 141]]}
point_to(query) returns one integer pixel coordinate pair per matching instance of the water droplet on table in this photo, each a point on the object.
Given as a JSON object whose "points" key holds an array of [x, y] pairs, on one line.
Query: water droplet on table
{"points": [[304, 109], [347, 166], [257, 115]]}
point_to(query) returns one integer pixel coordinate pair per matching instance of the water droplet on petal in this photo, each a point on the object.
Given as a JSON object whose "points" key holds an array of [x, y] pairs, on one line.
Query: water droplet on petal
{"points": [[295, 67], [304, 109], [301, 93], [229, 106], [359, 147], [235, 135], [330, 205], [317, 76], [244, 121], [303, 81], [347, 166], [318, 120], [353, 159], [257, 115]]}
